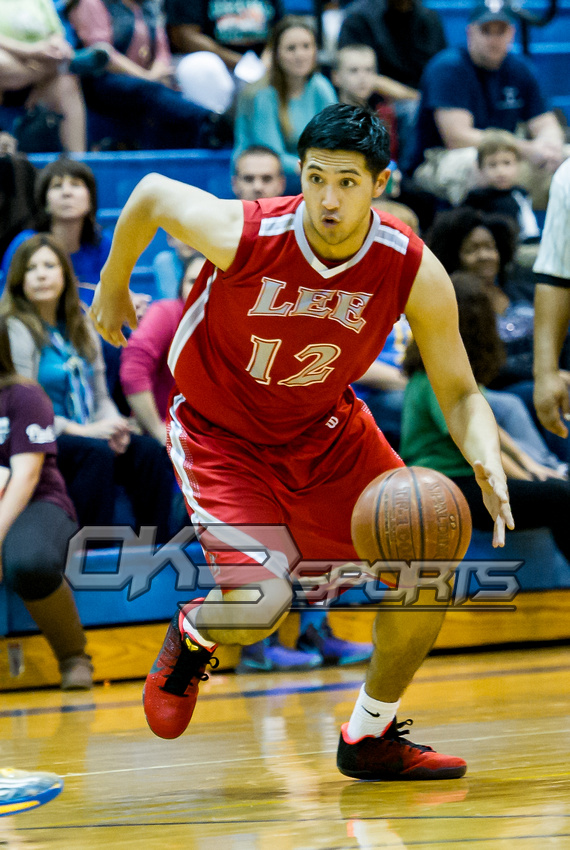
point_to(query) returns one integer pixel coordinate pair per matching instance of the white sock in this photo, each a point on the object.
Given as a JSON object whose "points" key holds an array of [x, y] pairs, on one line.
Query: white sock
{"points": [[370, 716], [190, 629]]}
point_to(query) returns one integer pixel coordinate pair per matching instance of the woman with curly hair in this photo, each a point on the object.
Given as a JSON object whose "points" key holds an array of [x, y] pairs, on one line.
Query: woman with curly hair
{"points": [[465, 239], [540, 498]]}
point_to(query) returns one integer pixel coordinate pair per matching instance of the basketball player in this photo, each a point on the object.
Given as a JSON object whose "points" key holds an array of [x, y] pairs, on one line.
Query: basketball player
{"points": [[294, 304], [552, 307]]}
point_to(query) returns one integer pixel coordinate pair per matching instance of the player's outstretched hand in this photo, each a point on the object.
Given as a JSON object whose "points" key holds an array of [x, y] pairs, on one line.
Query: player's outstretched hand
{"points": [[496, 499], [551, 399], [109, 313]]}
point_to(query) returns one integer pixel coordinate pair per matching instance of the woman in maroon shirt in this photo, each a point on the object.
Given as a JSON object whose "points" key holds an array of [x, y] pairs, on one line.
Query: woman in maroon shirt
{"points": [[37, 518]]}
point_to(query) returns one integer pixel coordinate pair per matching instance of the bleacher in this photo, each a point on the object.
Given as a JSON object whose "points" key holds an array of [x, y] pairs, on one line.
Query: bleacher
{"points": [[544, 570]]}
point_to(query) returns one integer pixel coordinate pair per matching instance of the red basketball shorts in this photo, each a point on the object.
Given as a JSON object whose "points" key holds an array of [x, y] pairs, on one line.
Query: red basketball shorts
{"points": [[262, 511]]}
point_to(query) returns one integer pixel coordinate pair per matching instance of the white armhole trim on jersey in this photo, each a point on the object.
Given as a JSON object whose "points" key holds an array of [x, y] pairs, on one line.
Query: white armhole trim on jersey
{"points": [[277, 225], [189, 323], [392, 238]]}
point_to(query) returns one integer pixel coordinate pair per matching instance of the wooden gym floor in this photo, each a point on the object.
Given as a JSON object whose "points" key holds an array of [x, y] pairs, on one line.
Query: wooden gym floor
{"points": [[256, 770]]}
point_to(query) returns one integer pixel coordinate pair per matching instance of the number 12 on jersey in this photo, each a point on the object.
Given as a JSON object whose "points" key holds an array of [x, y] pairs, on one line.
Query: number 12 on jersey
{"points": [[315, 372]]}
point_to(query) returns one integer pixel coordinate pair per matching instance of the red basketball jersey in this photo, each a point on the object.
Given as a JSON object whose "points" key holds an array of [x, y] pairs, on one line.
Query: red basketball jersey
{"points": [[268, 347]]}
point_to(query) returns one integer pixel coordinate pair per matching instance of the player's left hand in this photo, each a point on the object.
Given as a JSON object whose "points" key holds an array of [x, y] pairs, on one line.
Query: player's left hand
{"points": [[110, 312], [496, 499]]}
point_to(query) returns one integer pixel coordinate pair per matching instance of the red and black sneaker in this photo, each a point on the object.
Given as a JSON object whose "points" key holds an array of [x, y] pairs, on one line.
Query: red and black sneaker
{"points": [[393, 757], [171, 687]]}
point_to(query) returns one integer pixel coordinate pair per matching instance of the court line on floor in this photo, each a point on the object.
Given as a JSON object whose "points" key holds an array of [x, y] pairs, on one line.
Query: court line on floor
{"points": [[285, 691], [240, 759]]}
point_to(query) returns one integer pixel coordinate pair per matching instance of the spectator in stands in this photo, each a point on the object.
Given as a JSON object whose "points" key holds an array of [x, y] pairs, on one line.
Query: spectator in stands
{"points": [[222, 44], [499, 158], [383, 384], [539, 497], [359, 84], [404, 36], [66, 202], [469, 89], [465, 239], [145, 376], [275, 111], [137, 86], [168, 267], [258, 173], [17, 204], [37, 518], [53, 342], [227, 29], [34, 64]]}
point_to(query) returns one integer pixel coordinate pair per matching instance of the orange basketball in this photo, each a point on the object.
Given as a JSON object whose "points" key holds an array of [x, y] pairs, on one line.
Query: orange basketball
{"points": [[411, 514]]}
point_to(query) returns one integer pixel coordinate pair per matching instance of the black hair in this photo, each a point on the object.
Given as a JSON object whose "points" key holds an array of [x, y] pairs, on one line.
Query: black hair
{"points": [[452, 227], [341, 127], [478, 329]]}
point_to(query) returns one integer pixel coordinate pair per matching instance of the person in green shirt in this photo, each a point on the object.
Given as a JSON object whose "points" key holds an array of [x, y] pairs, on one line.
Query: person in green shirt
{"points": [[540, 496]]}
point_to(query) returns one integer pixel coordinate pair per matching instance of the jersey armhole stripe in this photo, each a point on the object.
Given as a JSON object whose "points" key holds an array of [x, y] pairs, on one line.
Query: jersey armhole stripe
{"points": [[392, 238], [277, 225]]}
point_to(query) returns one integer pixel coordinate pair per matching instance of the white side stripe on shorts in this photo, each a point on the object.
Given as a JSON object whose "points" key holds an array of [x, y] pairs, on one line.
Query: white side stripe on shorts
{"points": [[189, 323], [228, 534]]}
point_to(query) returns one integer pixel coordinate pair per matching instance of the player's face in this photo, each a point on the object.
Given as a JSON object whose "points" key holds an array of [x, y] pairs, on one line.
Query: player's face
{"points": [[354, 76], [43, 278], [479, 254], [297, 52], [258, 176], [500, 170], [338, 189], [489, 43]]}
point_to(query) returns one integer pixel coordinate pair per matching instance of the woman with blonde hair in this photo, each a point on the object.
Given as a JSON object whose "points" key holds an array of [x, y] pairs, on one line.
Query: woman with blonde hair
{"points": [[275, 111]]}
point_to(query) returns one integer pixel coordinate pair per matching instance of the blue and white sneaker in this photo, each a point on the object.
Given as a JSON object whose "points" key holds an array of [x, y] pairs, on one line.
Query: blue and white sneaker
{"points": [[22, 790]]}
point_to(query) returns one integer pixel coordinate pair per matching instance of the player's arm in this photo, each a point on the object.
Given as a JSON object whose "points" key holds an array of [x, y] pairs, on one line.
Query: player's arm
{"points": [[551, 321], [552, 307], [432, 313], [199, 219]]}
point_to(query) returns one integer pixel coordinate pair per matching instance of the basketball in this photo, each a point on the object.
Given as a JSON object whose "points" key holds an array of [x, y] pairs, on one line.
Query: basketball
{"points": [[411, 514]]}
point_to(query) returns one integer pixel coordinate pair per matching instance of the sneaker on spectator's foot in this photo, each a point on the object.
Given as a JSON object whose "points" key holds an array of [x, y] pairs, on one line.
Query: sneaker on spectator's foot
{"points": [[268, 655], [171, 687], [332, 649], [22, 790], [76, 673], [393, 757]]}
